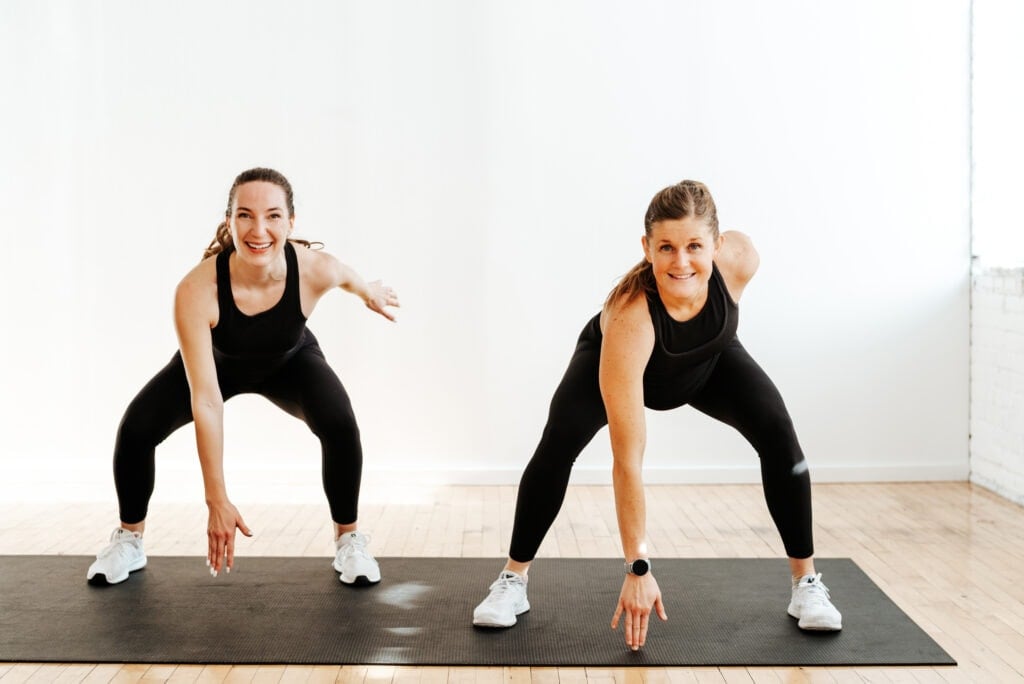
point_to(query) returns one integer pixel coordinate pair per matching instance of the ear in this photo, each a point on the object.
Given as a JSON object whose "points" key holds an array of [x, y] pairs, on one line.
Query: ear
{"points": [[291, 225], [645, 244]]}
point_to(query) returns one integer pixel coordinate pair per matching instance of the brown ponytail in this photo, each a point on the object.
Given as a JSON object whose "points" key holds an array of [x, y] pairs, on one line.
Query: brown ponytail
{"points": [[222, 238], [221, 241], [640, 279], [686, 199]]}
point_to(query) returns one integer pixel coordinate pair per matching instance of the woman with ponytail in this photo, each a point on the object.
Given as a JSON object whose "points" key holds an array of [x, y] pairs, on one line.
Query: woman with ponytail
{"points": [[665, 337], [241, 318]]}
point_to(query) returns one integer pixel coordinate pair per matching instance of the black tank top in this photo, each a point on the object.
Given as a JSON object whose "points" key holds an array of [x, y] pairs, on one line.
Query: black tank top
{"points": [[685, 352], [276, 333]]}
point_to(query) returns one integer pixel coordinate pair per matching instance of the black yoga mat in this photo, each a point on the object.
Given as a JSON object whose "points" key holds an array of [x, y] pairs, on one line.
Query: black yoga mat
{"points": [[294, 610]]}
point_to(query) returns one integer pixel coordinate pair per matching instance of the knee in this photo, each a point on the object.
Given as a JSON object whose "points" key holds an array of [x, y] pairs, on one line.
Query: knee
{"points": [[777, 444], [137, 428], [338, 426]]}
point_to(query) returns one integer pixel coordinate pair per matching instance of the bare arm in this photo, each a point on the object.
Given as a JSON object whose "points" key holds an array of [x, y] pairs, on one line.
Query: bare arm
{"points": [[195, 309], [628, 341], [325, 273], [737, 260]]}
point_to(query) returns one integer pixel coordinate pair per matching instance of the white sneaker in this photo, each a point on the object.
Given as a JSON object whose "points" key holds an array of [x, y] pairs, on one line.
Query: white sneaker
{"points": [[354, 562], [506, 600], [810, 604], [123, 556]]}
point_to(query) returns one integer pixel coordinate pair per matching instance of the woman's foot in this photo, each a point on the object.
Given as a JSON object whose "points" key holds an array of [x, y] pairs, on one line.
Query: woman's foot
{"points": [[810, 604], [122, 556], [356, 565], [506, 600]]}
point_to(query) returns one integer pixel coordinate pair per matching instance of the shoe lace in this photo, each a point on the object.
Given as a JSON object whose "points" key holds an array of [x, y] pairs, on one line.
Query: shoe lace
{"points": [[355, 545], [815, 591], [502, 586], [120, 541]]}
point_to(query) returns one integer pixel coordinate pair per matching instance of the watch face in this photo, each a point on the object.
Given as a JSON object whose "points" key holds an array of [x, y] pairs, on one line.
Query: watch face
{"points": [[640, 567]]}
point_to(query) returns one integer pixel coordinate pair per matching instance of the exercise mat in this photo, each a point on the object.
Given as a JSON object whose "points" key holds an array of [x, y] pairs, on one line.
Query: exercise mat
{"points": [[294, 610]]}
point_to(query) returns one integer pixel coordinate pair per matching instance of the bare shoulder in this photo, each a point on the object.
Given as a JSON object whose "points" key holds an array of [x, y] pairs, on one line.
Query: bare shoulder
{"points": [[318, 269], [629, 318], [737, 260], [196, 295]]}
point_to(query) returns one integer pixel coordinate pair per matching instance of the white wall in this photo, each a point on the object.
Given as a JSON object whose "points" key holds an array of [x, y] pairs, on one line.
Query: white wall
{"points": [[493, 162], [997, 381], [997, 302]]}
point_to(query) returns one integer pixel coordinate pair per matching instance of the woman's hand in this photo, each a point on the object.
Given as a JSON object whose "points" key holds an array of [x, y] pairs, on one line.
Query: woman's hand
{"points": [[380, 296], [220, 532], [639, 595]]}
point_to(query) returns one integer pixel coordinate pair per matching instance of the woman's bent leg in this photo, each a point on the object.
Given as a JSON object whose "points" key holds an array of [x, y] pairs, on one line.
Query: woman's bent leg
{"points": [[576, 414], [160, 408], [739, 393], [307, 388]]}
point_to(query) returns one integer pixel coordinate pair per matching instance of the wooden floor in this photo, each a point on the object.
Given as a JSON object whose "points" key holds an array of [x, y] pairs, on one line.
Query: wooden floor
{"points": [[949, 554]]}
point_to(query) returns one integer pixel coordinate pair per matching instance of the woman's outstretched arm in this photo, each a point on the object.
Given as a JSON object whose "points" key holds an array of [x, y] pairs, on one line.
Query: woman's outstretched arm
{"points": [[628, 341]]}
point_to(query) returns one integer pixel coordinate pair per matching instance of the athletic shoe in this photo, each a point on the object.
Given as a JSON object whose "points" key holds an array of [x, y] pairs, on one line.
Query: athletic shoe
{"points": [[354, 562], [506, 600], [123, 556], [811, 606]]}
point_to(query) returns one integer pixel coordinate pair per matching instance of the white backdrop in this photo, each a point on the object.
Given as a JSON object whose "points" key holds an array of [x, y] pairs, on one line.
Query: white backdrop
{"points": [[492, 161]]}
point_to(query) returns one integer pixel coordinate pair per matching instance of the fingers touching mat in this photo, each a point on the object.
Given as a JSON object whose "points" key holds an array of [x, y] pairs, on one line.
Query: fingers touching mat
{"points": [[294, 610]]}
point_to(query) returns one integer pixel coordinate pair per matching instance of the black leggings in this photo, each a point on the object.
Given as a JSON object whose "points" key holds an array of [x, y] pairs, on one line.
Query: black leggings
{"points": [[737, 392], [303, 385]]}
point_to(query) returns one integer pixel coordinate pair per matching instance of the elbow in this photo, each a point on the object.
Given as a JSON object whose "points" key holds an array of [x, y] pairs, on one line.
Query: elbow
{"points": [[625, 471], [207, 405]]}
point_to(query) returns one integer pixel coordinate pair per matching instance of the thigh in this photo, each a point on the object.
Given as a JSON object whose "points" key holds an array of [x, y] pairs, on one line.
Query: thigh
{"points": [[577, 410], [162, 406], [739, 393], [308, 388]]}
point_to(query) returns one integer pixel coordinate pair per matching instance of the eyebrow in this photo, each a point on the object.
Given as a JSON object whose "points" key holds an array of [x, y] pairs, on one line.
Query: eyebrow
{"points": [[253, 211]]}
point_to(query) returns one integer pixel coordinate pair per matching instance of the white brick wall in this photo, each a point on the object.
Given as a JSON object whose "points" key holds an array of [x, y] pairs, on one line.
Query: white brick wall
{"points": [[997, 381]]}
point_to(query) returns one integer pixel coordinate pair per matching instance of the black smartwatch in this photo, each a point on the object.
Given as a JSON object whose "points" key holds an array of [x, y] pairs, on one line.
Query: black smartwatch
{"points": [[639, 567]]}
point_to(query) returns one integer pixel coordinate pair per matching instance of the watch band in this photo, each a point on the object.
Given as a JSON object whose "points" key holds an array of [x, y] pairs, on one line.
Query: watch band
{"points": [[638, 567]]}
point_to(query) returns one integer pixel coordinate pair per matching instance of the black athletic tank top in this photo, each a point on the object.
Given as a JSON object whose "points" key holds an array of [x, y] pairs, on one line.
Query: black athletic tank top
{"points": [[273, 334], [685, 352]]}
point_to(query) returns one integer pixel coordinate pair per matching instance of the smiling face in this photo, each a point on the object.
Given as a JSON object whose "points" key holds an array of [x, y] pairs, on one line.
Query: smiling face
{"points": [[681, 253], [260, 222]]}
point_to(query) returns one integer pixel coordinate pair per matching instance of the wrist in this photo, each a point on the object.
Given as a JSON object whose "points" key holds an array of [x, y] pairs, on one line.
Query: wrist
{"points": [[638, 566]]}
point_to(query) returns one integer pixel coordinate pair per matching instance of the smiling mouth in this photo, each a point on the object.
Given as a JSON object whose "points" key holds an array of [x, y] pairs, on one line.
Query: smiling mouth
{"points": [[681, 277], [258, 246]]}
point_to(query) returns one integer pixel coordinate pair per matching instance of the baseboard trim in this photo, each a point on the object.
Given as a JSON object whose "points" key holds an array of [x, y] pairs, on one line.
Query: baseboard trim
{"points": [[301, 484]]}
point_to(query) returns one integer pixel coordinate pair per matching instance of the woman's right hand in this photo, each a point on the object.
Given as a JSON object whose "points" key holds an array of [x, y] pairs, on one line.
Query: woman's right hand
{"points": [[220, 533]]}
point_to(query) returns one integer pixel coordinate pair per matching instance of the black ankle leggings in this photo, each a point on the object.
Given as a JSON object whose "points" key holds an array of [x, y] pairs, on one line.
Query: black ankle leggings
{"points": [[303, 385], [736, 392]]}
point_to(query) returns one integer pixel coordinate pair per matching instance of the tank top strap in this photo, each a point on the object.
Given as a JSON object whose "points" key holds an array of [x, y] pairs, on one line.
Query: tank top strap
{"points": [[225, 298], [292, 291]]}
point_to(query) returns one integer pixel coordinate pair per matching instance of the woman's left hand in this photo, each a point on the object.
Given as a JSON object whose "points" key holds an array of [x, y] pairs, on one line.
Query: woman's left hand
{"points": [[638, 597], [380, 296]]}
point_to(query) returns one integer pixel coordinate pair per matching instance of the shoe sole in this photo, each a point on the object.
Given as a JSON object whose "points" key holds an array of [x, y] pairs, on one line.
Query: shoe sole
{"points": [[501, 625], [815, 628], [359, 581], [101, 580], [820, 628]]}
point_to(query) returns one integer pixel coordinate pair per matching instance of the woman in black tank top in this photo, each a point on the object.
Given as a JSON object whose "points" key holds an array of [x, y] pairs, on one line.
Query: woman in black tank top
{"points": [[666, 337], [241, 322]]}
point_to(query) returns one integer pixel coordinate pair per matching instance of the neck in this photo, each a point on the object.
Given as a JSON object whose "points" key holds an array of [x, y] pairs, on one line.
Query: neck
{"points": [[244, 273], [684, 308]]}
